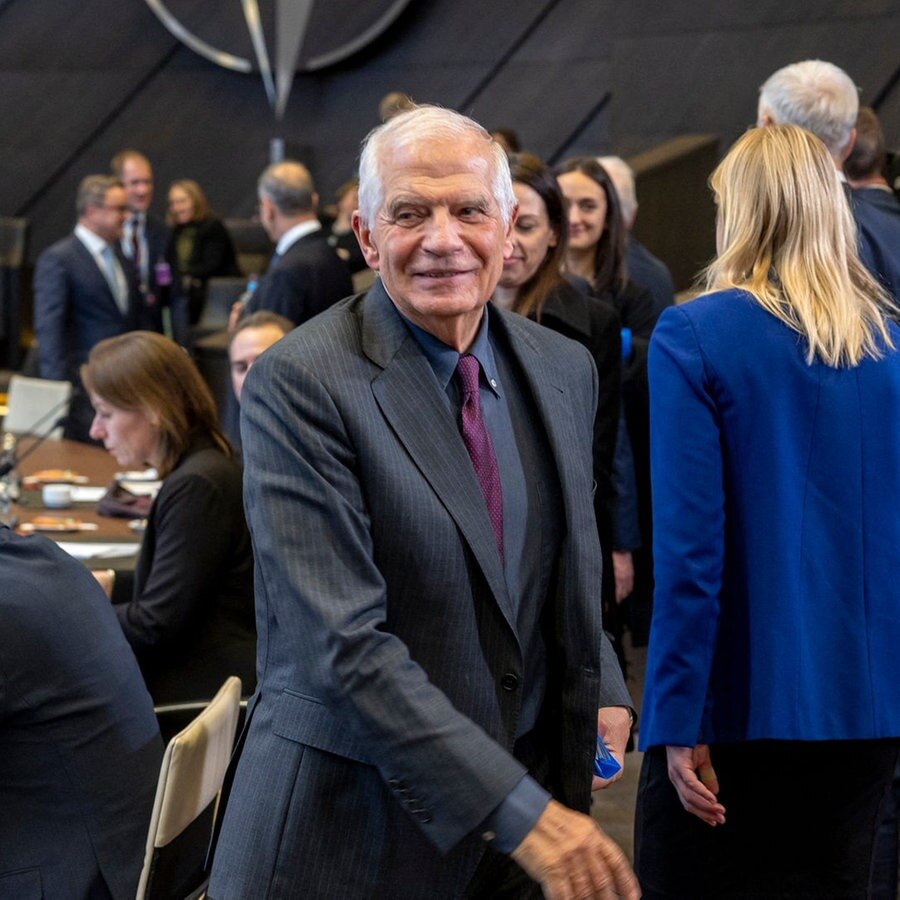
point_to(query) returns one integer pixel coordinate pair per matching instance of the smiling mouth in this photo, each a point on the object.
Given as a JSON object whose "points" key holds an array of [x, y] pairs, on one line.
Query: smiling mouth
{"points": [[443, 274]]}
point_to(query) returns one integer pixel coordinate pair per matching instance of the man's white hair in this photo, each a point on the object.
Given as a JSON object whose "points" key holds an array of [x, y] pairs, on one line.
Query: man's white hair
{"points": [[424, 123], [622, 177], [815, 95]]}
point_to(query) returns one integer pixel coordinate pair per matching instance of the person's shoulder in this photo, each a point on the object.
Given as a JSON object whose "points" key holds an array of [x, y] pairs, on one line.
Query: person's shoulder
{"points": [[875, 199], [64, 248], [554, 348], [337, 327]]}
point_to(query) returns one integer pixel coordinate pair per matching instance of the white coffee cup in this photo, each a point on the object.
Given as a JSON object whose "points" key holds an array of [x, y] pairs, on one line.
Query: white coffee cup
{"points": [[57, 496]]}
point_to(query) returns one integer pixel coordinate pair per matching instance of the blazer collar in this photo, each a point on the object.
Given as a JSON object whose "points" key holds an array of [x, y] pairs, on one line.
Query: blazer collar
{"points": [[570, 307], [416, 409]]}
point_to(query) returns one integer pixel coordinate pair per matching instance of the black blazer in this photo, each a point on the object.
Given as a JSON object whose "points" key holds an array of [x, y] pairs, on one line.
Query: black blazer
{"points": [[191, 620], [212, 255], [309, 278], [595, 325]]}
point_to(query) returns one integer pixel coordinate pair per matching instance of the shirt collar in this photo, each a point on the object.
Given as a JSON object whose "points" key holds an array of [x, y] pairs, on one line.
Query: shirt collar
{"points": [[443, 359], [91, 240], [292, 235]]}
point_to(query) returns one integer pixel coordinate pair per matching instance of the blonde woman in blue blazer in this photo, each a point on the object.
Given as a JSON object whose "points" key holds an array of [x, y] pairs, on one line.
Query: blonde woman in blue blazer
{"points": [[772, 704]]}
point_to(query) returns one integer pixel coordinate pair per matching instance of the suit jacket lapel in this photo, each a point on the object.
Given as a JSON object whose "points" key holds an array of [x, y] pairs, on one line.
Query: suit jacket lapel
{"points": [[547, 388], [99, 286], [415, 408]]}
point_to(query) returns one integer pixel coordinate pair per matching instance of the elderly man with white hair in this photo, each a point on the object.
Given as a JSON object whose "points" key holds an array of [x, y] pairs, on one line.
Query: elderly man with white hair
{"points": [[432, 668], [822, 98]]}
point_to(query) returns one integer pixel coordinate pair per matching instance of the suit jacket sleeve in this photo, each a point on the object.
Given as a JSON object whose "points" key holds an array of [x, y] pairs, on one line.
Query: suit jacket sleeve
{"points": [[317, 579], [191, 534], [51, 308], [688, 514]]}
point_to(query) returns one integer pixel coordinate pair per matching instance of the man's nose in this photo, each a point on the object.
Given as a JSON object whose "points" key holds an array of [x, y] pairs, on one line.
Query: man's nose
{"points": [[442, 233]]}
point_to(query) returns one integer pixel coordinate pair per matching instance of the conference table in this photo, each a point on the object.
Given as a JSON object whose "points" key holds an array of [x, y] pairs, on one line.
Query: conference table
{"points": [[116, 539]]}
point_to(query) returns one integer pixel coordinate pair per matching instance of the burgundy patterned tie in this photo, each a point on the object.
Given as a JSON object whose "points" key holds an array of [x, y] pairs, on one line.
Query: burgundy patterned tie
{"points": [[478, 443]]}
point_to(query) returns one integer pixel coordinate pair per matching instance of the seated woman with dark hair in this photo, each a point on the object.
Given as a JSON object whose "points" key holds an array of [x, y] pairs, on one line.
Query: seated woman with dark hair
{"points": [[200, 247], [191, 620]]}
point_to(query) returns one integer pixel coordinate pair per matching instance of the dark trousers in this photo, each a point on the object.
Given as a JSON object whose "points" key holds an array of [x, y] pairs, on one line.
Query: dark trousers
{"points": [[800, 822]]}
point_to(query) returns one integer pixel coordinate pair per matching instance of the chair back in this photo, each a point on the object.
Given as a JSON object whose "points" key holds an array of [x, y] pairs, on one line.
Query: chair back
{"points": [[252, 245], [191, 776], [221, 294], [35, 405]]}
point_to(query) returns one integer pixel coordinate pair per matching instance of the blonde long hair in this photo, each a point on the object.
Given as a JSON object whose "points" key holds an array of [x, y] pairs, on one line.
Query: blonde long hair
{"points": [[787, 236]]}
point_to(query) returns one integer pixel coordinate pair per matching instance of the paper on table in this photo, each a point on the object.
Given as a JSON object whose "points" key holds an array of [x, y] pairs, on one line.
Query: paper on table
{"points": [[95, 550], [143, 488], [87, 494]]}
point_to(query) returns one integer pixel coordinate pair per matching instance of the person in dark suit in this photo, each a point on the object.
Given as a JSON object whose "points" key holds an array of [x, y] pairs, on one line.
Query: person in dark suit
{"points": [[200, 246], [190, 621], [772, 670], [596, 253], [78, 738], [429, 627], [85, 291], [820, 97], [306, 275], [145, 241], [532, 284]]}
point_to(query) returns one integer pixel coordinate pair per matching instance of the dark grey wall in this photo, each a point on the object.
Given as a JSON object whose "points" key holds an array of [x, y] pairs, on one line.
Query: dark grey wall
{"points": [[80, 80]]}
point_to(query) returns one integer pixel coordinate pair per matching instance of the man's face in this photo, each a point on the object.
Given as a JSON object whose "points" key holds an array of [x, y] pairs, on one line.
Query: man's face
{"points": [[438, 240], [137, 176], [107, 221], [246, 348]]}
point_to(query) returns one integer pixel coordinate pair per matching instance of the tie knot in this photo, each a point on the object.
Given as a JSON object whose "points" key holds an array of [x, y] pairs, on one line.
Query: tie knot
{"points": [[468, 368]]}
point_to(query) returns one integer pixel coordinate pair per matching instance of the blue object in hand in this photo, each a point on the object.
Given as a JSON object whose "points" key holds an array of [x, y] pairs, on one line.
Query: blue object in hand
{"points": [[605, 764]]}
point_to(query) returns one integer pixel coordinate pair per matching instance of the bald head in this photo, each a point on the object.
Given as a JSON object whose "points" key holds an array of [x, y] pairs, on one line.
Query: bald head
{"points": [[290, 187], [287, 197]]}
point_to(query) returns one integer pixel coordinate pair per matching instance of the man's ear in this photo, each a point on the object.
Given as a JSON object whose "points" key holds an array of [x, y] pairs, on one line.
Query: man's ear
{"points": [[364, 236], [508, 244], [848, 147]]}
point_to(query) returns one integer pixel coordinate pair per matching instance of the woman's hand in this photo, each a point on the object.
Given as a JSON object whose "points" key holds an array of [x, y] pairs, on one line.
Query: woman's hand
{"points": [[692, 774]]}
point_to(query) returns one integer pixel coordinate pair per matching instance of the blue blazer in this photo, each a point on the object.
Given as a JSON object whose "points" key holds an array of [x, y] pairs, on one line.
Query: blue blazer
{"points": [[79, 743], [776, 534], [379, 738]]}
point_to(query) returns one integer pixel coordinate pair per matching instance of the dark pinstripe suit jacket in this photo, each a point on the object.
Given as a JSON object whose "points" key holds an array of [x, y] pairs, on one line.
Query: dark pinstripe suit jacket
{"points": [[380, 734]]}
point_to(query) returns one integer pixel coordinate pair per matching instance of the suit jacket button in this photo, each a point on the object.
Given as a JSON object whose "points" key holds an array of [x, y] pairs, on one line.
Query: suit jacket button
{"points": [[509, 682], [425, 816]]}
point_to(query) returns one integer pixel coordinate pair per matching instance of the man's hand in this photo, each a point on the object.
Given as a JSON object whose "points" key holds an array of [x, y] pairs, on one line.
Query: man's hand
{"points": [[623, 572], [691, 771], [569, 856], [614, 726]]}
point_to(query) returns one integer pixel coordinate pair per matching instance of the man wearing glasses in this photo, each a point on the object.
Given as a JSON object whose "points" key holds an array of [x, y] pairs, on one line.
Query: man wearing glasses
{"points": [[84, 291]]}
